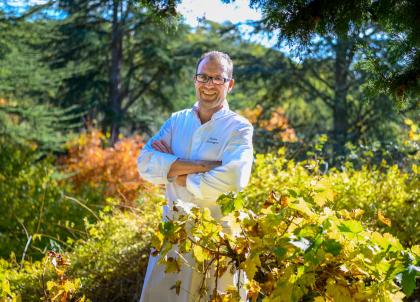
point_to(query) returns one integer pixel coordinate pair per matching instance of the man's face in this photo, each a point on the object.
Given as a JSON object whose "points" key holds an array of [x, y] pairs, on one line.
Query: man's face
{"points": [[208, 94]]}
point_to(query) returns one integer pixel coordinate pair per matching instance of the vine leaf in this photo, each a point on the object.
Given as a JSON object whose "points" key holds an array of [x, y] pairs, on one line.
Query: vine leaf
{"points": [[408, 280], [250, 266]]}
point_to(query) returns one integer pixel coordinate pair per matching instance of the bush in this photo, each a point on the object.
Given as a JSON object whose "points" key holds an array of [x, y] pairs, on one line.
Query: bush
{"points": [[34, 209], [301, 235], [386, 194], [99, 171], [292, 250], [44, 280], [44, 207], [109, 264]]}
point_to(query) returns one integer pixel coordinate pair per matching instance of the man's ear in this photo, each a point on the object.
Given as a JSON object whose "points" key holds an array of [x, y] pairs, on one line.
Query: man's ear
{"points": [[231, 84]]}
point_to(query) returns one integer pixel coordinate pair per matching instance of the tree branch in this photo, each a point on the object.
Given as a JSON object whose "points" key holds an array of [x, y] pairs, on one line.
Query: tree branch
{"points": [[145, 87], [316, 93], [318, 76]]}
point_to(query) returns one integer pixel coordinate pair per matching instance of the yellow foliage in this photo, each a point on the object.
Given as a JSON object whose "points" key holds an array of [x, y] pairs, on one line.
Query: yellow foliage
{"points": [[112, 168], [277, 123]]}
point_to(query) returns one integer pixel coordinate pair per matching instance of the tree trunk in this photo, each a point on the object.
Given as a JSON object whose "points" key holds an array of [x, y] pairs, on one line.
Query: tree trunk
{"points": [[115, 101], [340, 113]]}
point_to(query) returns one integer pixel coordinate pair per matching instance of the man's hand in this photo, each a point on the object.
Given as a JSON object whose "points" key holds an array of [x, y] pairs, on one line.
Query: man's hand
{"points": [[181, 167], [181, 180], [184, 167], [161, 146]]}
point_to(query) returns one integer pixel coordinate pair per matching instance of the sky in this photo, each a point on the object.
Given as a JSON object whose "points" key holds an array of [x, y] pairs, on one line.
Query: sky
{"points": [[194, 10], [215, 10]]}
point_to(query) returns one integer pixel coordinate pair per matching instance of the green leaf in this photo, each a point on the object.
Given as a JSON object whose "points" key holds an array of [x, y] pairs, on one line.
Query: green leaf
{"points": [[229, 203], [250, 266], [157, 240], [166, 228], [350, 226], [332, 246], [408, 280], [293, 193], [199, 253], [172, 265], [5, 286], [302, 207], [280, 252]]}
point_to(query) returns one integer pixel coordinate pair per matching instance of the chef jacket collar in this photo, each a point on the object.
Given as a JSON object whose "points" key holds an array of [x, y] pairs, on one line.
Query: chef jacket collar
{"points": [[217, 114]]}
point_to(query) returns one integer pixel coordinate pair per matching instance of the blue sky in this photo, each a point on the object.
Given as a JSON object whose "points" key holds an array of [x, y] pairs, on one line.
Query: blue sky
{"points": [[194, 10], [217, 11], [213, 10]]}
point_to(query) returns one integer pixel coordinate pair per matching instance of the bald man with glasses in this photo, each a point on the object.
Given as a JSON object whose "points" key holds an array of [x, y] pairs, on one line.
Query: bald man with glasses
{"points": [[199, 154]]}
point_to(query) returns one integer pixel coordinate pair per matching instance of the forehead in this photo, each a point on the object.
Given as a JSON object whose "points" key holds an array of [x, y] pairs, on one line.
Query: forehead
{"points": [[213, 66]]}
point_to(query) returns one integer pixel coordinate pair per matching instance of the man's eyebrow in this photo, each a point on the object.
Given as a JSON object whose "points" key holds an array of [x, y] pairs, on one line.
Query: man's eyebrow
{"points": [[220, 76]]}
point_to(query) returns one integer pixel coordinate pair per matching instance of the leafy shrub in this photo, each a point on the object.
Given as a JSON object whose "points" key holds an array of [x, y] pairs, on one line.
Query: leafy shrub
{"points": [[381, 192], [292, 250], [300, 235], [44, 280], [35, 211], [109, 264], [105, 171]]}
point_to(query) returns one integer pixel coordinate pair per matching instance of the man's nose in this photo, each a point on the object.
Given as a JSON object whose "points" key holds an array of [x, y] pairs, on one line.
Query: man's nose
{"points": [[209, 82]]}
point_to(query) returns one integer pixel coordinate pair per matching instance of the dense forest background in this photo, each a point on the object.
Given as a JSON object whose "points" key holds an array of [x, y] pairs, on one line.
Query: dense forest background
{"points": [[83, 84]]}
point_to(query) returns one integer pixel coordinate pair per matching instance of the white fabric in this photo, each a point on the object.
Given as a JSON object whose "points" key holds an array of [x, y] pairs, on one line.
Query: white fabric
{"points": [[227, 137]]}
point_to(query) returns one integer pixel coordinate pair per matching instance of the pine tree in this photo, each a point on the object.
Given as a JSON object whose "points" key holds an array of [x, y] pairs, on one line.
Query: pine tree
{"points": [[397, 72]]}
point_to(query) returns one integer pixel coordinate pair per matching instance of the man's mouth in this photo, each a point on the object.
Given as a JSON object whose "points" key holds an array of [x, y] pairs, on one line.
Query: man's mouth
{"points": [[208, 93]]}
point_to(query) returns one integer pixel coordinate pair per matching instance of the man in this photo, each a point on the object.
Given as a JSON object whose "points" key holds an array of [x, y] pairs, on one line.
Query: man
{"points": [[199, 154]]}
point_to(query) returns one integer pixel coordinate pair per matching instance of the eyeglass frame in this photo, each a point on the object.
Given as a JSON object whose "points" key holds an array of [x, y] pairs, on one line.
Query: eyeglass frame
{"points": [[225, 80]]}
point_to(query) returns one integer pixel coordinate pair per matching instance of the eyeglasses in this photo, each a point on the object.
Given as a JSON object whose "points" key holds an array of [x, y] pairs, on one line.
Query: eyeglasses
{"points": [[203, 78]]}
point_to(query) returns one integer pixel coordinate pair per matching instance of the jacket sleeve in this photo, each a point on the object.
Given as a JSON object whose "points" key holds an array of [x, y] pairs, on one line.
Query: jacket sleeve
{"points": [[232, 175], [154, 165]]}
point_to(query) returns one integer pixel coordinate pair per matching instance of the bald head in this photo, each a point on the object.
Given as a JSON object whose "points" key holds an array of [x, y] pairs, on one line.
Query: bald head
{"points": [[220, 57]]}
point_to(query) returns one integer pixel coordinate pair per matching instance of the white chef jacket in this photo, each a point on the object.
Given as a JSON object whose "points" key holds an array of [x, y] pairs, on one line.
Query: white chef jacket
{"points": [[227, 137]]}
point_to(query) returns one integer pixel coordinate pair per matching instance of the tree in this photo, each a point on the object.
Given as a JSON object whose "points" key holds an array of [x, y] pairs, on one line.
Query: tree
{"points": [[22, 72], [328, 74], [397, 73], [26, 87], [114, 56]]}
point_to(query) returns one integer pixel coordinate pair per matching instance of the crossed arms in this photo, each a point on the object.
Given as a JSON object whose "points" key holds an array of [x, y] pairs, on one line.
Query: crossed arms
{"points": [[206, 180], [181, 167]]}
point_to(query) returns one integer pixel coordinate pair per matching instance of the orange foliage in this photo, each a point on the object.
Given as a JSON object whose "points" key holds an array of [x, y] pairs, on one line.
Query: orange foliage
{"points": [[277, 123], [114, 168]]}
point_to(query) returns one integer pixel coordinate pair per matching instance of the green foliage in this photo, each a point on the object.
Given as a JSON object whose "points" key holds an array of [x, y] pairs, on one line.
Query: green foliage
{"points": [[44, 280], [111, 257], [120, 60], [23, 75], [37, 215], [114, 255], [294, 252], [308, 239], [396, 73], [371, 188], [44, 127]]}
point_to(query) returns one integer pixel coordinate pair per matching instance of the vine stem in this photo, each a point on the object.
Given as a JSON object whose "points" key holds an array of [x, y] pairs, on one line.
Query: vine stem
{"points": [[208, 249], [205, 273], [217, 268]]}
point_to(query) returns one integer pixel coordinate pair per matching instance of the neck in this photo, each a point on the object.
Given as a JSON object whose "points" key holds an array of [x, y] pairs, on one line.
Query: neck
{"points": [[205, 114]]}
